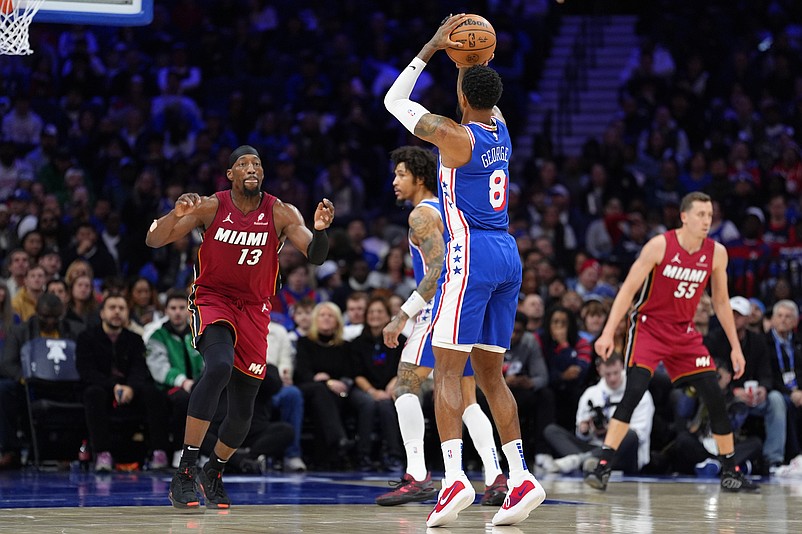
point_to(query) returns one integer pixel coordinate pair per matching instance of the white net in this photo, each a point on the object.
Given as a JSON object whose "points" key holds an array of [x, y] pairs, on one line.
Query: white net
{"points": [[15, 19]]}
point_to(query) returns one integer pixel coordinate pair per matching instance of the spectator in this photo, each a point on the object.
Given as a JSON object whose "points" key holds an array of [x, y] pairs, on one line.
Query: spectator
{"points": [[704, 311], [50, 261], [302, 319], [764, 402], [785, 355], [87, 247], [528, 379], [24, 302], [111, 362], [58, 287], [596, 406], [375, 367], [175, 364], [288, 399], [355, 314], [143, 305], [18, 264], [324, 373], [296, 287], [83, 305], [568, 359], [593, 316], [392, 274], [533, 308], [33, 334]]}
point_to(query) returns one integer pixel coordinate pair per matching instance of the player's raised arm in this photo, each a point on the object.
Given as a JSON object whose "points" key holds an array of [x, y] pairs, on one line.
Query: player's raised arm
{"points": [[428, 126], [191, 210], [290, 224]]}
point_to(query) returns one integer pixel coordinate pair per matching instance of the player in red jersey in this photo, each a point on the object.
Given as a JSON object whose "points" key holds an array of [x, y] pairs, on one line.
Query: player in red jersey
{"points": [[672, 271], [235, 276]]}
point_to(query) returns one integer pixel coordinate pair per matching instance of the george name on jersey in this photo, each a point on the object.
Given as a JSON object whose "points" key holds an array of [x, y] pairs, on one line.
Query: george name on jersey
{"points": [[233, 237], [685, 274], [497, 153]]}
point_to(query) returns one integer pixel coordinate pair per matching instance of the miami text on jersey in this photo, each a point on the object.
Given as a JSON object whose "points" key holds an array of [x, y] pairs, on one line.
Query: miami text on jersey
{"points": [[683, 273], [233, 237]]}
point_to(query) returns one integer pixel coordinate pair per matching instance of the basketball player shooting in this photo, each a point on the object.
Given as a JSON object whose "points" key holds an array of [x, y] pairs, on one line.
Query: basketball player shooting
{"points": [[476, 299]]}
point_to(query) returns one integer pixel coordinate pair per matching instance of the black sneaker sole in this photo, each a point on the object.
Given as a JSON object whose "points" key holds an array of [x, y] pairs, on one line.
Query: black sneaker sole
{"points": [[193, 506], [596, 483], [421, 496]]}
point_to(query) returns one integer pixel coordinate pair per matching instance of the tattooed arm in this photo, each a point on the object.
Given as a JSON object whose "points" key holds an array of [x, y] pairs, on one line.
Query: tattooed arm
{"points": [[426, 231]]}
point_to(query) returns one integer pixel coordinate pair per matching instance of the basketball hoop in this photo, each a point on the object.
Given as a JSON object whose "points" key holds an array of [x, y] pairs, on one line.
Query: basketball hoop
{"points": [[15, 19]]}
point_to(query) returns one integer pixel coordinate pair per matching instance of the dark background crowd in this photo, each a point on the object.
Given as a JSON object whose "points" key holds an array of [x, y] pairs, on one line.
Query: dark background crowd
{"points": [[103, 128]]}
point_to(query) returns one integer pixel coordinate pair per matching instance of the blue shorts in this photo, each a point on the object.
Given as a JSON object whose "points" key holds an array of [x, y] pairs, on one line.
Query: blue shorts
{"points": [[478, 290]]}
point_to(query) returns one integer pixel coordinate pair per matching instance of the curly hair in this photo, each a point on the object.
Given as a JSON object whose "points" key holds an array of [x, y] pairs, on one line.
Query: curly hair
{"points": [[420, 162], [482, 87]]}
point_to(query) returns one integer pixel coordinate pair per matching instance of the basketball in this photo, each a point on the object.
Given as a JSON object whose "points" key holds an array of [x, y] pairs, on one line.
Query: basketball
{"points": [[6, 7], [478, 40]]}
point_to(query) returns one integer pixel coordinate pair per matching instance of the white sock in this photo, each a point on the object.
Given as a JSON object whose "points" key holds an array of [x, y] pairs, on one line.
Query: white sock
{"points": [[514, 452], [481, 432], [411, 422], [452, 459]]}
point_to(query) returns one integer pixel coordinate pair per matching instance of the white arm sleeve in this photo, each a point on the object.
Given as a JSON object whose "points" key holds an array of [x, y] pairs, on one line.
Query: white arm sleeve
{"points": [[397, 99]]}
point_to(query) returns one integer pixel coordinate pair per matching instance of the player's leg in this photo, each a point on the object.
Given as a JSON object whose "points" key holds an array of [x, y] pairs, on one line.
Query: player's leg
{"points": [[638, 379], [242, 390], [481, 431], [217, 347], [417, 361], [707, 388]]}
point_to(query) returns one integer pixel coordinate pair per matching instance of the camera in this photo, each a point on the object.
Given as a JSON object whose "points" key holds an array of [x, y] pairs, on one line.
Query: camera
{"points": [[599, 419]]}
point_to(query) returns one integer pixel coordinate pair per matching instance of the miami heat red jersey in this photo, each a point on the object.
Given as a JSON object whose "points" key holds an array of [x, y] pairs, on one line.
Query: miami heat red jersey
{"points": [[673, 289], [238, 258]]}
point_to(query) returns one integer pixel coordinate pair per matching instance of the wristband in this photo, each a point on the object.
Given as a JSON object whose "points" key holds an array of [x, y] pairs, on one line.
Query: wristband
{"points": [[414, 304]]}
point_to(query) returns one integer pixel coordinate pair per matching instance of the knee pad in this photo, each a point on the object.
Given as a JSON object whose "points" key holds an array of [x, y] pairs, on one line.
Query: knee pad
{"points": [[242, 392], [637, 383], [707, 388]]}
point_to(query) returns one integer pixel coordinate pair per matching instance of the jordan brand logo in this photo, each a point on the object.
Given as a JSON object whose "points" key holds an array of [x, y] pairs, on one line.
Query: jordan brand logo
{"points": [[228, 218], [264, 307], [676, 259]]}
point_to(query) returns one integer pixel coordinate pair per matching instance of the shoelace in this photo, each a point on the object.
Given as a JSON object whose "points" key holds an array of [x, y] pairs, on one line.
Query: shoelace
{"points": [[400, 484], [216, 484]]}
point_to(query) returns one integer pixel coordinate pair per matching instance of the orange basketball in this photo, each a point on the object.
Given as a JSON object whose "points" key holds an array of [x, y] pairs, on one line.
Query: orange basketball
{"points": [[478, 40]]}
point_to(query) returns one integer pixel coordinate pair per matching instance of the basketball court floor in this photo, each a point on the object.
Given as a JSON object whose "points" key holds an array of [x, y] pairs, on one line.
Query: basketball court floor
{"points": [[334, 503]]}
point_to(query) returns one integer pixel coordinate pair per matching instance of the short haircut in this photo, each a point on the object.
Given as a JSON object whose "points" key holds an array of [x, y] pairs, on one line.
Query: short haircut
{"points": [[113, 296], [482, 86], [420, 162], [788, 304], [176, 294], [690, 198]]}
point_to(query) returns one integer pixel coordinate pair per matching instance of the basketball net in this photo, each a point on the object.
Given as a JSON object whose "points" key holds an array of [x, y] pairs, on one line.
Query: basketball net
{"points": [[15, 19]]}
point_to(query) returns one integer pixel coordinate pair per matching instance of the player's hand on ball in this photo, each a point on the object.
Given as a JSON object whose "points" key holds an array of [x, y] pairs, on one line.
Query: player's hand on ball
{"points": [[187, 203], [324, 214], [442, 37]]}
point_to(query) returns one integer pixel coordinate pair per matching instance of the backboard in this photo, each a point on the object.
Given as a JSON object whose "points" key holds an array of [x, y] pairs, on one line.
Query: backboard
{"points": [[100, 12]]}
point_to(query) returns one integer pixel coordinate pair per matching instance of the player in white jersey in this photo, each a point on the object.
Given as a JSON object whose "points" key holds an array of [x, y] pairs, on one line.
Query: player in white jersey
{"points": [[477, 293], [415, 181]]}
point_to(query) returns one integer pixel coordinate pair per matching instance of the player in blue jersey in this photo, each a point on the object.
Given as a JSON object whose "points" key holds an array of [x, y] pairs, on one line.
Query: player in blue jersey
{"points": [[474, 308], [415, 181]]}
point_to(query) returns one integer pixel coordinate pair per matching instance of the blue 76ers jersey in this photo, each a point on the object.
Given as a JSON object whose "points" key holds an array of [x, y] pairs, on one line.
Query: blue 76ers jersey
{"points": [[478, 291], [475, 195]]}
